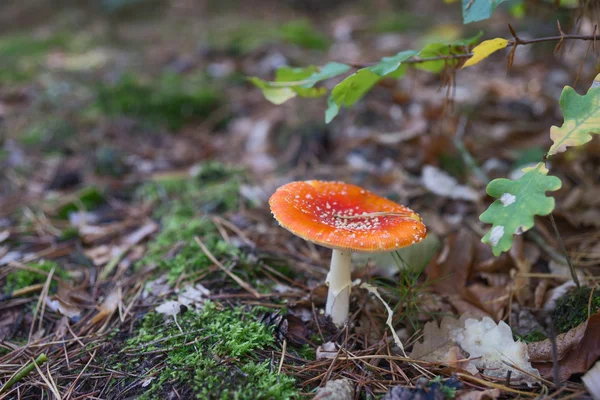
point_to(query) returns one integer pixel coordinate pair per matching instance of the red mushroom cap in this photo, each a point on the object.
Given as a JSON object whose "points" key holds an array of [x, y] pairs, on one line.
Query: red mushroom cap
{"points": [[329, 214]]}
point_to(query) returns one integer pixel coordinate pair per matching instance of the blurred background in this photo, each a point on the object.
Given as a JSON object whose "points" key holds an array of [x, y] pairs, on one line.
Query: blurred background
{"points": [[117, 90], [109, 94]]}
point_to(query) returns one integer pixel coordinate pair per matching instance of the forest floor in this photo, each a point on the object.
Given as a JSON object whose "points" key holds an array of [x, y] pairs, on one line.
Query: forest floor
{"points": [[138, 255]]}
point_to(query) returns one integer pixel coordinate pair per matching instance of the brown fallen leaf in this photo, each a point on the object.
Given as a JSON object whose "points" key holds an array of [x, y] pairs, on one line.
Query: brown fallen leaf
{"points": [[108, 306], [69, 301], [489, 394], [451, 269], [339, 389], [577, 350], [8, 321], [521, 284], [492, 300]]}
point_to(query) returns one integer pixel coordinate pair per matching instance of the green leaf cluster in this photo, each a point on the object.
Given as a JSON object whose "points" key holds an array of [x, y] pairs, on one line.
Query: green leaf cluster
{"points": [[581, 120], [291, 82]]}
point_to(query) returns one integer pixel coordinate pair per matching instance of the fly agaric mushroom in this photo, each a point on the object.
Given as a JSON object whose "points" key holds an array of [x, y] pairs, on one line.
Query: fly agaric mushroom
{"points": [[344, 218]]}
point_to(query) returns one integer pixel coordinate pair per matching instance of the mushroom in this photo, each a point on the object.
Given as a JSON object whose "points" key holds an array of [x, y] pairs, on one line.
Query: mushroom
{"points": [[345, 218]]}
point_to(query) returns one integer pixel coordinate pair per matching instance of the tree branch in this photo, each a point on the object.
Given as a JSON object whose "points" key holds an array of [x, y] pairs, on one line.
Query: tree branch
{"points": [[517, 41]]}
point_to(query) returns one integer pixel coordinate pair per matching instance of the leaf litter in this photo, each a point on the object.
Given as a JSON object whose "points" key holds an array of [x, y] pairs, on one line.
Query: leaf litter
{"points": [[121, 223]]}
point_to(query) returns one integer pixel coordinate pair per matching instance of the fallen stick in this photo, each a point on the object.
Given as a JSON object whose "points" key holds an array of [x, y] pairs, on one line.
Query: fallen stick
{"points": [[24, 372]]}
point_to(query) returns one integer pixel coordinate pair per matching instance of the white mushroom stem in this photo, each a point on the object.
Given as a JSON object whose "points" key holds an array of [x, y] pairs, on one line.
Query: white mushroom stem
{"points": [[340, 283]]}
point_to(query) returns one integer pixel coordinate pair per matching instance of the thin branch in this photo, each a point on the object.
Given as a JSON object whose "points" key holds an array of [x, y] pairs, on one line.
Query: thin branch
{"points": [[511, 43]]}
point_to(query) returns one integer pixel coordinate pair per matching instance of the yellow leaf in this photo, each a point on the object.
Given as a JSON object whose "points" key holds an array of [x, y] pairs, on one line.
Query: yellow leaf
{"points": [[484, 49]]}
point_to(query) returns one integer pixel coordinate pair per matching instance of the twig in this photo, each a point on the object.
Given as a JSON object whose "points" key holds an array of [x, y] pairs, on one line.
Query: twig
{"points": [[233, 276], [42, 358], [564, 250], [555, 366], [283, 348], [466, 156], [511, 43]]}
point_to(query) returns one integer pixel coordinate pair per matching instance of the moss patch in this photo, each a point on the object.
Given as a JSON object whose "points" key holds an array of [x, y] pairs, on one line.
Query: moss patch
{"points": [[23, 278], [171, 101], [214, 187], [218, 356], [572, 309], [87, 199], [533, 336]]}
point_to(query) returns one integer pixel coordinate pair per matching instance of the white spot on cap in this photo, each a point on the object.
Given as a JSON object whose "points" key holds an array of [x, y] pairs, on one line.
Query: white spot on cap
{"points": [[507, 199], [496, 235]]}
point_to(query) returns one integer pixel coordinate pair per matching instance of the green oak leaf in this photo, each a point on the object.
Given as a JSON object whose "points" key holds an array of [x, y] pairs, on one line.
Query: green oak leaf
{"points": [[355, 86], [477, 10], [291, 82], [519, 201], [581, 118]]}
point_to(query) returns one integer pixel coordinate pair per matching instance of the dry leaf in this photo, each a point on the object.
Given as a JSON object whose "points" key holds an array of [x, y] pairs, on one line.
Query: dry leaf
{"points": [[108, 306], [492, 300], [489, 394], [577, 350], [521, 283], [326, 350], [339, 389], [442, 184], [490, 347], [66, 309], [451, 268]]}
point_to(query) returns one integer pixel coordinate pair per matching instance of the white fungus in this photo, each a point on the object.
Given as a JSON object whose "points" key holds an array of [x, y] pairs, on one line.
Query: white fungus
{"points": [[496, 234], [507, 199]]}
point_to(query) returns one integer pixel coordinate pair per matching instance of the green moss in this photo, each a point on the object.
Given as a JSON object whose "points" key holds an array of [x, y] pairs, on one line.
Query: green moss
{"points": [[24, 54], [177, 237], [51, 133], [302, 33], [248, 36], [89, 198], [69, 233], [223, 363], [572, 309], [308, 352], [23, 278], [109, 161], [401, 22], [172, 101], [21, 45], [245, 37], [533, 336], [214, 187], [183, 205], [447, 387]]}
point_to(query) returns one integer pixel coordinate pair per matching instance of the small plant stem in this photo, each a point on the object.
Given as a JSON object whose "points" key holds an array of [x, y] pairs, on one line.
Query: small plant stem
{"points": [[564, 250], [340, 283], [464, 153], [24, 372]]}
